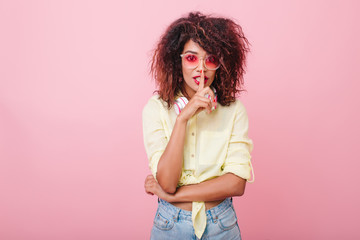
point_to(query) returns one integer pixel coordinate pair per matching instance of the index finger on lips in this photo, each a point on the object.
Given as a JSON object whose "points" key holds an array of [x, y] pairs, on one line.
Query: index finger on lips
{"points": [[202, 77]]}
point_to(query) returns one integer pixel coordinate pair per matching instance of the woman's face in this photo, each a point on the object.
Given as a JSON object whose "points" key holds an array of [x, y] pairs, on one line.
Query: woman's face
{"points": [[192, 76]]}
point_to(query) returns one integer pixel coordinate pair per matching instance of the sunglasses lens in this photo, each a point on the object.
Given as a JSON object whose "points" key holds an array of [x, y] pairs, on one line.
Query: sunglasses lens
{"points": [[191, 60], [212, 62]]}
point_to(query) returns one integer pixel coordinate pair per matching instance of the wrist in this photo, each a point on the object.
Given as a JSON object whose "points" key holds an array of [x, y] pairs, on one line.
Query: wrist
{"points": [[180, 119]]}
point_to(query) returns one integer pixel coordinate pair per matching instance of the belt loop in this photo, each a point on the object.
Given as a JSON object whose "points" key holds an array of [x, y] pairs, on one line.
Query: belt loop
{"points": [[212, 219], [176, 215], [213, 216]]}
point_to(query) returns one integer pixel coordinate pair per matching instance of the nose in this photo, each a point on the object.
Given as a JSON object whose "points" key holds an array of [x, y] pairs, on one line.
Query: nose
{"points": [[201, 65]]}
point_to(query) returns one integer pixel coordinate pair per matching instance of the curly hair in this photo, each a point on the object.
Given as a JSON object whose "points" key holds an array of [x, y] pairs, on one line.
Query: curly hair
{"points": [[216, 35]]}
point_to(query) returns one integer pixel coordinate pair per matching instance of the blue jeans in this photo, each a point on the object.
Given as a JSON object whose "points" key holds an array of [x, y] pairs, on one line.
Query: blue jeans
{"points": [[171, 222]]}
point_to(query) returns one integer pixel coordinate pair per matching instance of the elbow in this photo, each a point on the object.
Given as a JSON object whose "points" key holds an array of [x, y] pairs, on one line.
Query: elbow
{"points": [[239, 191], [166, 185], [239, 186], [166, 180], [170, 189]]}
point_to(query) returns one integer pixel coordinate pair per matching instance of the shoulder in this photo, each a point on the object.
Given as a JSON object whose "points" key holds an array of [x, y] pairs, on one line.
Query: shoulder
{"points": [[236, 107], [154, 104], [240, 107], [236, 111], [240, 113]]}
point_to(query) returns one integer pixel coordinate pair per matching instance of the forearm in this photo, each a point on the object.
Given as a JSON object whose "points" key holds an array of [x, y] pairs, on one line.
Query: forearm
{"points": [[171, 162], [227, 185]]}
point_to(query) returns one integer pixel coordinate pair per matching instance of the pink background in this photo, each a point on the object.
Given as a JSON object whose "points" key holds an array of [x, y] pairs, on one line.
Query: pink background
{"points": [[73, 82]]}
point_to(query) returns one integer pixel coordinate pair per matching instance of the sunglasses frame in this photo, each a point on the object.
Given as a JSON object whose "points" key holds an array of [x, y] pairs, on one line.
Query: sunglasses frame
{"points": [[200, 58]]}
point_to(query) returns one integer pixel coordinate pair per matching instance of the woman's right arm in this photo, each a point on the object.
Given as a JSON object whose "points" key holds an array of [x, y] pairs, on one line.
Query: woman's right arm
{"points": [[170, 163]]}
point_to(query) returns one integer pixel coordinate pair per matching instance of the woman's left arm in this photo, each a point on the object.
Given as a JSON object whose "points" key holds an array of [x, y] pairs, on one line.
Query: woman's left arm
{"points": [[227, 185]]}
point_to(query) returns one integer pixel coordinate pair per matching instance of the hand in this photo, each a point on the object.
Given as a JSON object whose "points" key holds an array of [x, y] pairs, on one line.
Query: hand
{"points": [[199, 102], [153, 187]]}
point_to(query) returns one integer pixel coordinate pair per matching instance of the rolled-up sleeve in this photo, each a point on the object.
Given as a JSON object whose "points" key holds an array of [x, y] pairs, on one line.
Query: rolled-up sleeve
{"points": [[155, 140], [240, 146]]}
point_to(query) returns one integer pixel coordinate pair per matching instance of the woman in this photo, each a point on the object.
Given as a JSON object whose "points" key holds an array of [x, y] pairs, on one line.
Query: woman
{"points": [[199, 155]]}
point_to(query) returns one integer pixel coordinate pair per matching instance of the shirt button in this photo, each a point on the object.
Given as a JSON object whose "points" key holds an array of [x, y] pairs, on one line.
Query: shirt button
{"points": [[193, 134], [192, 155]]}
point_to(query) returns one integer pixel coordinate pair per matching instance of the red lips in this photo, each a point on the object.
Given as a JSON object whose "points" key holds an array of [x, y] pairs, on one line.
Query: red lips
{"points": [[198, 82]]}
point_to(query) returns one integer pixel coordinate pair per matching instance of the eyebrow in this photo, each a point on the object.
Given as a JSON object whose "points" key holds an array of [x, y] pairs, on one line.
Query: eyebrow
{"points": [[189, 51]]}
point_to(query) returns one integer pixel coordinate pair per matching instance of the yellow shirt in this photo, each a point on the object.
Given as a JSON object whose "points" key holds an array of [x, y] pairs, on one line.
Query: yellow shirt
{"points": [[215, 144]]}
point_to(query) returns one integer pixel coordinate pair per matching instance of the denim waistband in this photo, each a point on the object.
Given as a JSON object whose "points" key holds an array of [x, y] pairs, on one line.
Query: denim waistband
{"points": [[178, 213]]}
